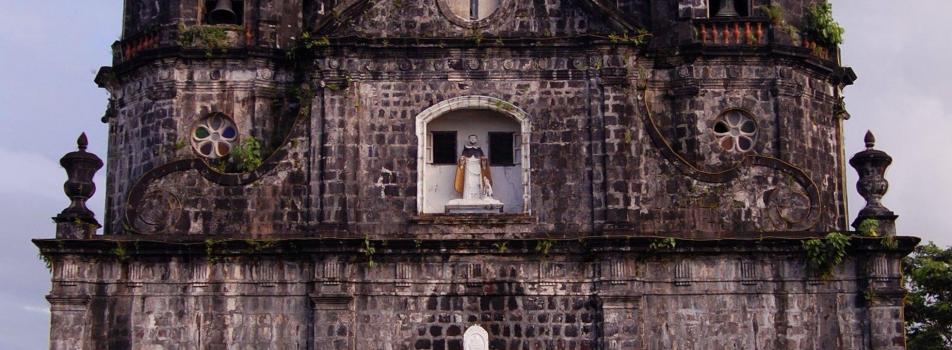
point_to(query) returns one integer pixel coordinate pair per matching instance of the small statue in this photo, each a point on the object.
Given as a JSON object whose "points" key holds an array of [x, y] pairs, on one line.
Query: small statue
{"points": [[474, 179]]}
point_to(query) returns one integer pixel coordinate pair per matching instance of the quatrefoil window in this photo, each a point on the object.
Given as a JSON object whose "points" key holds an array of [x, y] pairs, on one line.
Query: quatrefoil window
{"points": [[215, 136], [735, 131]]}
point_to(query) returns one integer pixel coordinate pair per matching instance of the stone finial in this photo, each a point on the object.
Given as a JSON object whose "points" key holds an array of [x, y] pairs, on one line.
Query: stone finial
{"points": [[77, 221], [871, 165], [870, 140]]}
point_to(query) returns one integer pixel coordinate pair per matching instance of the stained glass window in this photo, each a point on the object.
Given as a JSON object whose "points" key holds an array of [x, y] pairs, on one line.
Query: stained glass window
{"points": [[214, 136]]}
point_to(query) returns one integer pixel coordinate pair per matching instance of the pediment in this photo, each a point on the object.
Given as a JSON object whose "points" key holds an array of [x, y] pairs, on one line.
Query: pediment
{"points": [[513, 18]]}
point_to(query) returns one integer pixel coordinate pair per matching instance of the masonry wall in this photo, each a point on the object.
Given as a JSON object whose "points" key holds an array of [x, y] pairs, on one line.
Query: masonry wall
{"points": [[248, 294], [641, 231]]}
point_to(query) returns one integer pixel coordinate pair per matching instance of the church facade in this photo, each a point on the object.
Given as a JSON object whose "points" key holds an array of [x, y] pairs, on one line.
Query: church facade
{"points": [[474, 175]]}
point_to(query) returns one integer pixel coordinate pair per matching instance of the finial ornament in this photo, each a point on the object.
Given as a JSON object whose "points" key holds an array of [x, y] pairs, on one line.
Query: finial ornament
{"points": [[77, 221], [870, 140], [871, 164], [82, 142]]}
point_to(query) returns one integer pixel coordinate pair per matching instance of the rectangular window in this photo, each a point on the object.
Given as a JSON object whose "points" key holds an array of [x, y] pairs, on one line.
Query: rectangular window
{"points": [[443, 147], [502, 148]]}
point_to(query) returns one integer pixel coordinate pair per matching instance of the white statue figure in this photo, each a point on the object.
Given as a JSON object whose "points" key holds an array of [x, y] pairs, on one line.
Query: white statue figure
{"points": [[473, 177], [476, 338]]}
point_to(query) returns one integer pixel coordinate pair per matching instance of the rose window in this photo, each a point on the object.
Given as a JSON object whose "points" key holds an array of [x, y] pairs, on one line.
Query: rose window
{"points": [[735, 132], [214, 136]]}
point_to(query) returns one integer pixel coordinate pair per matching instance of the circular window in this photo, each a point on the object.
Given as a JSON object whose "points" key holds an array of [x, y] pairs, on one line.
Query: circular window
{"points": [[735, 131], [469, 12], [214, 136]]}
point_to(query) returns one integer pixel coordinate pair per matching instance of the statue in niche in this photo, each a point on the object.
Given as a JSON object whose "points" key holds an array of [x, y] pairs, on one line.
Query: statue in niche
{"points": [[474, 181]]}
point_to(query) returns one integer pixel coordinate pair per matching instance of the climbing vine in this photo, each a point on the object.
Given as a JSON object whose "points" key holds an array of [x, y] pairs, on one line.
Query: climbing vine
{"points": [[824, 254]]}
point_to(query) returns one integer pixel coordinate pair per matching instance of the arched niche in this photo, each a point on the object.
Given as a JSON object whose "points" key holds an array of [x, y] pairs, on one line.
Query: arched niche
{"points": [[484, 117]]}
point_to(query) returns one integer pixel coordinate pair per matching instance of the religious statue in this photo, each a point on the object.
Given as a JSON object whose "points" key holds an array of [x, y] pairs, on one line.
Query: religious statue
{"points": [[474, 180]]}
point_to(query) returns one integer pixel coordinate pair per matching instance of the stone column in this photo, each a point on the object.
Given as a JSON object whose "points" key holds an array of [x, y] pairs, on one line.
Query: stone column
{"points": [[885, 296], [67, 321], [334, 323]]}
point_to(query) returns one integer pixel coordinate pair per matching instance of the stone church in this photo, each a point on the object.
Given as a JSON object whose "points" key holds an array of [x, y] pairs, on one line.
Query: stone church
{"points": [[474, 175]]}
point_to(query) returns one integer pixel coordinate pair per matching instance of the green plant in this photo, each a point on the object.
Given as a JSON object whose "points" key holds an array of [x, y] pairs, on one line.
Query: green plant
{"points": [[824, 254], [869, 295], [210, 252], [259, 245], [369, 251], [120, 252], [821, 25], [247, 154], [889, 242], [927, 275], [180, 144], [477, 36], [663, 243], [544, 246], [47, 261], [210, 38], [774, 12], [868, 227], [501, 247]]}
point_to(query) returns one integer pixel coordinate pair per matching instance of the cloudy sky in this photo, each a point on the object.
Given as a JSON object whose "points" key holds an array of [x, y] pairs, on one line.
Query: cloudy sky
{"points": [[50, 51]]}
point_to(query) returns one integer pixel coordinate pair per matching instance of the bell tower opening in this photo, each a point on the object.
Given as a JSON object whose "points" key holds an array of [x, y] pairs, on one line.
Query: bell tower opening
{"points": [[729, 8], [224, 12]]}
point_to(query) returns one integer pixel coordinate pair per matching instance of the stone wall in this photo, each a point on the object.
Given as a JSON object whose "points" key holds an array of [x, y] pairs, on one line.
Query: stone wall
{"points": [[603, 294], [643, 231]]}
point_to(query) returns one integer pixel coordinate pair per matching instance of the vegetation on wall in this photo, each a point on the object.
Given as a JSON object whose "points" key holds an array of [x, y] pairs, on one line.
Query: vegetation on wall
{"points": [[210, 38], [824, 254], [821, 25], [247, 155], [869, 228], [928, 309], [663, 244]]}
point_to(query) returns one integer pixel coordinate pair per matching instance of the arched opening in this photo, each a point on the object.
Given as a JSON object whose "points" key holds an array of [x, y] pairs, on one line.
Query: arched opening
{"points": [[472, 127]]}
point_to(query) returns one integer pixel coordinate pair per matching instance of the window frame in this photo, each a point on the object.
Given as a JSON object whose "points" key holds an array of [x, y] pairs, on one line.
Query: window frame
{"points": [[431, 147]]}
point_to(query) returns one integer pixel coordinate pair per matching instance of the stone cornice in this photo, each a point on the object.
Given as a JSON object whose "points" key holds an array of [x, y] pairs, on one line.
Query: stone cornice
{"points": [[153, 245]]}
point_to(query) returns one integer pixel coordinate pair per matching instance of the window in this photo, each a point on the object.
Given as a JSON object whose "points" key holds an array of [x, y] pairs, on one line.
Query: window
{"points": [[502, 148], [224, 11], [735, 132], [442, 147], [214, 136]]}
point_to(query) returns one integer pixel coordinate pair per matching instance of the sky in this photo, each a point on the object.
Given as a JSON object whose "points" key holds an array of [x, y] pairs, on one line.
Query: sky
{"points": [[50, 52]]}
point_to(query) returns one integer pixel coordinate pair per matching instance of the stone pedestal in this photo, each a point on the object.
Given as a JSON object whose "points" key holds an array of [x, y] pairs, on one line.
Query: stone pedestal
{"points": [[468, 206]]}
